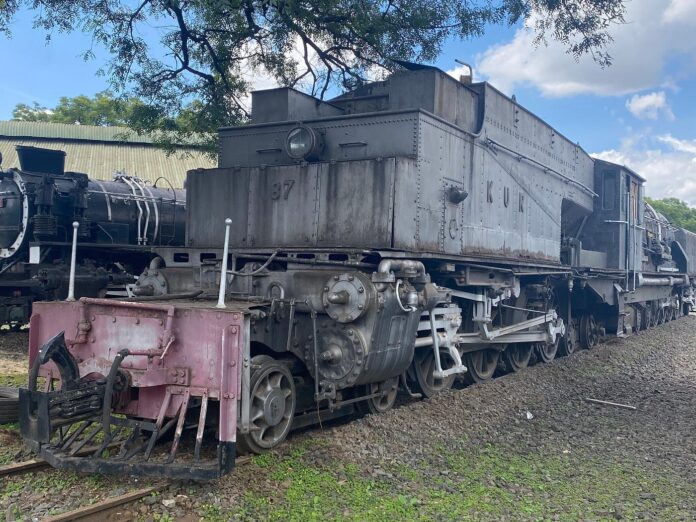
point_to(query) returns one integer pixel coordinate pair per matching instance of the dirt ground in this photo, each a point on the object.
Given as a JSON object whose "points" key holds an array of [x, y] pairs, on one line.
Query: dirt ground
{"points": [[526, 446], [13, 352]]}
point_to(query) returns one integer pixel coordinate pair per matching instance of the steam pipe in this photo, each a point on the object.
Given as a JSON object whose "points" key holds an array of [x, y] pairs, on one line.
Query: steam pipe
{"points": [[387, 266], [662, 281], [156, 263]]}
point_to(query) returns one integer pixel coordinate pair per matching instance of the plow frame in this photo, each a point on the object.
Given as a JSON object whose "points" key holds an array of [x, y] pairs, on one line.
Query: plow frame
{"points": [[127, 385]]}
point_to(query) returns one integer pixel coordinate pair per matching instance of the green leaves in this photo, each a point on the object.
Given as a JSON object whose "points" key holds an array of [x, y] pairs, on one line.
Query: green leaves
{"points": [[201, 57], [678, 212]]}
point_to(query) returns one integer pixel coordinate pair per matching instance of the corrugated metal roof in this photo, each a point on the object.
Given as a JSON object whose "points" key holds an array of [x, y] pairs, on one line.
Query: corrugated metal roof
{"points": [[40, 129], [100, 159]]}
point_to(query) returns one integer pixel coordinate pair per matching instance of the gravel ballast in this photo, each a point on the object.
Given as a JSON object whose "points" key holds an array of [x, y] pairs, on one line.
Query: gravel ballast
{"points": [[524, 446]]}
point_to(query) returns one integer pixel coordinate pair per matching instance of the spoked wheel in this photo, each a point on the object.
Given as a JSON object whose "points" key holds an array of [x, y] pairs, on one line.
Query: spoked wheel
{"points": [[384, 402], [272, 405], [481, 365], [568, 344], [589, 332], [517, 356], [647, 318], [660, 315], [546, 352], [424, 366], [638, 322], [654, 316]]}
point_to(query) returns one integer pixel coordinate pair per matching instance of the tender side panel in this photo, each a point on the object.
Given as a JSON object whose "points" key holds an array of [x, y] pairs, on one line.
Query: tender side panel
{"points": [[356, 202], [333, 205], [512, 210], [283, 205], [218, 194], [513, 126]]}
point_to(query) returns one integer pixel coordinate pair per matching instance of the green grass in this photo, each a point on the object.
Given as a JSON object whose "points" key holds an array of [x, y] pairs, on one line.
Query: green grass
{"points": [[14, 380], [307, 492], [487, 484], [51, 481]]}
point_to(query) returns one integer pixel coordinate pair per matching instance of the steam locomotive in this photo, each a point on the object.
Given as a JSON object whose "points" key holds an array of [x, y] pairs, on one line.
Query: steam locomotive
{"points": [[405, 235], [119, 222]]}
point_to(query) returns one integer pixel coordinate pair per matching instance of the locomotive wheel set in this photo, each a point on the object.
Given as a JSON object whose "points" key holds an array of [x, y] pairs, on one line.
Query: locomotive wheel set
{"points": [[404, 235]]}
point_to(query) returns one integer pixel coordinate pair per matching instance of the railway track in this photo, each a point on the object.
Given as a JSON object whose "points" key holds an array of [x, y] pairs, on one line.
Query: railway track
{"points": [[99, 511]]}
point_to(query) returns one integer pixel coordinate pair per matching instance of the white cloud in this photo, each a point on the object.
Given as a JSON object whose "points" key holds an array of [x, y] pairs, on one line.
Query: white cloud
{"points": [[688, 146], [680, 11], [641, 47], [670, 171], [650, 106], [259, 78]]}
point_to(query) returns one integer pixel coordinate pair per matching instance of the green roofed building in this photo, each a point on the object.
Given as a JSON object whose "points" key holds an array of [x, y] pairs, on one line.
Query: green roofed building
{"points": [[101, 151]]}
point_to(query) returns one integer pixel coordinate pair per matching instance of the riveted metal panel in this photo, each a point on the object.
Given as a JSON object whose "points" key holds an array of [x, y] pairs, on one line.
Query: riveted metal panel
{"points": [[283, 206], [218, 194], [345, 138], [513, 209], [428, 89], [287, 104], [356, 203], [518, 172], [512, 126], [687, 240], [338, 204]]}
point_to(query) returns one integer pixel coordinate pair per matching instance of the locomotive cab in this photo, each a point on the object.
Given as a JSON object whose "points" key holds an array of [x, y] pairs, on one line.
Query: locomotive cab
{"points": [[615, 227]]}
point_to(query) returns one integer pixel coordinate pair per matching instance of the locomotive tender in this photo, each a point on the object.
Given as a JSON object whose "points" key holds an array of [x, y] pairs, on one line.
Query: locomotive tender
{"points": [[398, 237], [118, 223]]}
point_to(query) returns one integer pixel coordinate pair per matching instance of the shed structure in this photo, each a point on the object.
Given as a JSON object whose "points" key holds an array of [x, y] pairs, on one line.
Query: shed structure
{"points": [[101, 151]]}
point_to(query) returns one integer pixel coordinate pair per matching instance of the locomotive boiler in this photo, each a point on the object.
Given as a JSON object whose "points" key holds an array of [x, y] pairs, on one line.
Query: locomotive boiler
{"points": [[407, 235], [119, 222]]}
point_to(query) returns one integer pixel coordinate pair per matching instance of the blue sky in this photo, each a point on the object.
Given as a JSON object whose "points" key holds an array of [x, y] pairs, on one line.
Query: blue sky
{"points": [[641, 111]]}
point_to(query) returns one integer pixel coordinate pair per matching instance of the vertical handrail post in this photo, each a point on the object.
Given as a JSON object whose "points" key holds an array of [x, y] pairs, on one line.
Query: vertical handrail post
{"points": [[73, 259], [223, 269]]}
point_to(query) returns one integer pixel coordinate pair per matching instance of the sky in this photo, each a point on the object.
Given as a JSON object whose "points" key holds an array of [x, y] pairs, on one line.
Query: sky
{"points": [[640, 111]]}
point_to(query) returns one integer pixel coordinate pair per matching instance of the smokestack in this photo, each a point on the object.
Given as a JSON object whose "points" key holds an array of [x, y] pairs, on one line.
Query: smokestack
{"points": [[36, 159]]}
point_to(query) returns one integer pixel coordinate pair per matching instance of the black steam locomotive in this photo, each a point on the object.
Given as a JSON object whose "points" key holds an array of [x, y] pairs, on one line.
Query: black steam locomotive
{"points": [[404, 235], [119, 222]]}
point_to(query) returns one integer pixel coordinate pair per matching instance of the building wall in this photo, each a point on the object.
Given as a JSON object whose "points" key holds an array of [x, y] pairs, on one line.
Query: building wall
{"points": [[99, 152]]}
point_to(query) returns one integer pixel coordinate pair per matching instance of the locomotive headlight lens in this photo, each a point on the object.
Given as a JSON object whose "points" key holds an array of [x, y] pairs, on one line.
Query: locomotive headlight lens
{"points": [[301, 143]]}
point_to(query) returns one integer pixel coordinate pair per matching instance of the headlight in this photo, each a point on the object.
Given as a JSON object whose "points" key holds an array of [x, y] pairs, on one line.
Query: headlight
{"points": [[303, 143]]}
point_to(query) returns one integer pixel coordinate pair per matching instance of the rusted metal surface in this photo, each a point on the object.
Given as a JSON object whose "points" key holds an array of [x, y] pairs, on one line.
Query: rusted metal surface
{"points": [[172, 353], [343, 204]]}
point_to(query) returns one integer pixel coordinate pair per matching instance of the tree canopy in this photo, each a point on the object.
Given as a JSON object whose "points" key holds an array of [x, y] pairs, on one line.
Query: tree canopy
{"points": [[105, 109], [677, 211], [201, 56]]}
